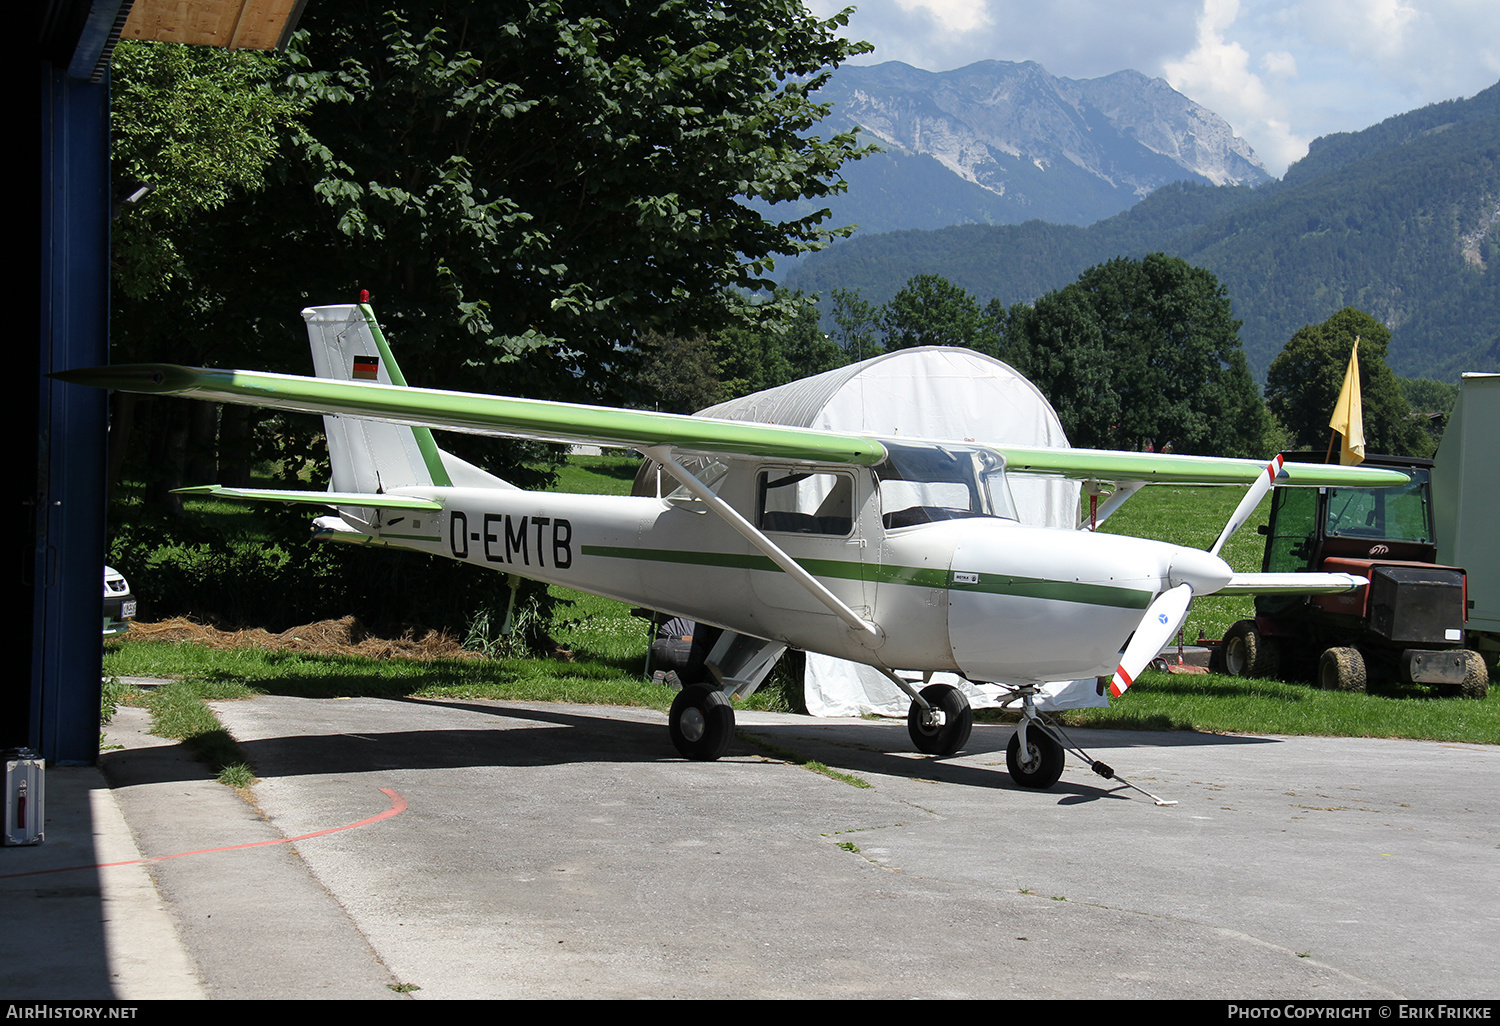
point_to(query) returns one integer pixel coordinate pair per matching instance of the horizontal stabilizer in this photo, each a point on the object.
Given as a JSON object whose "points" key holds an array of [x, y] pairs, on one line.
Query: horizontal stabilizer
{"points": [[1292, 584], [364, 500]]}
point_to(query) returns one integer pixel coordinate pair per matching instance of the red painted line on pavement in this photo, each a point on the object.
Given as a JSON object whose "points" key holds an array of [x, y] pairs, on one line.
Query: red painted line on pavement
{"points": [[398, 806]]}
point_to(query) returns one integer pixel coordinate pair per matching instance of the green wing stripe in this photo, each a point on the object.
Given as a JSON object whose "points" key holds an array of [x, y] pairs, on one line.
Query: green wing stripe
{"points": [[1170, 468], [921, 577], [485, 414], [426, 444]]}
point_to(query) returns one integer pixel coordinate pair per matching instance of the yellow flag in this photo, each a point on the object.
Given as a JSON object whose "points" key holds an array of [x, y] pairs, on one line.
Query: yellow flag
{"points": [[1348, 413]]}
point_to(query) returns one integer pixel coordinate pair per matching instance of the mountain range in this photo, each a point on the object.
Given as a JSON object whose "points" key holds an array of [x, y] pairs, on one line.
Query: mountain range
{"points": [[1002, 143], [1401, 220]]}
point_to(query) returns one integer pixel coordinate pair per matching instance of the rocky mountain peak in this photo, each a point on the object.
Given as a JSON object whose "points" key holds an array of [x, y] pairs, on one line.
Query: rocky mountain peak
{"points": [[1021, 143]]}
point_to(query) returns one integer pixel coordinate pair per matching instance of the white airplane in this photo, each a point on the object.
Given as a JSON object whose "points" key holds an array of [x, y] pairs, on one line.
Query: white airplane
{"points": [[902, 554]]}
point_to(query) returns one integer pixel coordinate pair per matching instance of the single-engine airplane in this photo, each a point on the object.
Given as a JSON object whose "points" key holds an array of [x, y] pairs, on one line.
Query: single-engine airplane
{"points": [[895, 553]]}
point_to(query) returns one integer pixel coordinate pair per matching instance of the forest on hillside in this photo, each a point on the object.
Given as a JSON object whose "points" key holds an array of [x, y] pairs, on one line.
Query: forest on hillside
{"points": [[1401, 220]]}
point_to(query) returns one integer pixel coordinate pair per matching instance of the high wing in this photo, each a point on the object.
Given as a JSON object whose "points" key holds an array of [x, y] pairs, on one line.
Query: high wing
{"points": [[542, 420], [1172, 468], [534, 419]]}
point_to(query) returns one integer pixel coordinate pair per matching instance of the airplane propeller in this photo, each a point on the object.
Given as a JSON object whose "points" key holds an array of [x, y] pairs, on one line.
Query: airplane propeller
{"points": [[1253, 495], [1161, 621], [1167, 612]]}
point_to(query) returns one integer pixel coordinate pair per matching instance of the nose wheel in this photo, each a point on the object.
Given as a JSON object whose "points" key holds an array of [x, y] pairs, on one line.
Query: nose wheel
{"points": [[1041, 762]]}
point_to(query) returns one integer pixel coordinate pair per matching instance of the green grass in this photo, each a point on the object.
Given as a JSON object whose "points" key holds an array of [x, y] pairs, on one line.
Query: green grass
{"points": [[179, 712], [1218, 704], [610, 656], [598, 475]]}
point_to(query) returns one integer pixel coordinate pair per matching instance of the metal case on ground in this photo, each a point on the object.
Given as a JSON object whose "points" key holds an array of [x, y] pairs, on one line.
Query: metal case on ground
{"points": [[25, 797]]}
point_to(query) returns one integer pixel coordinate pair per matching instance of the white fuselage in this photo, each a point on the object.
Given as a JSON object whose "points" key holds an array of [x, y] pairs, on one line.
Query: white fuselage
{"points": [[982, 596]]}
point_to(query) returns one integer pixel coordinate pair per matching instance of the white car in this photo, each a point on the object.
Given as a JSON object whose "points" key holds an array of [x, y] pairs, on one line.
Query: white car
{"points": [[119, 603]]}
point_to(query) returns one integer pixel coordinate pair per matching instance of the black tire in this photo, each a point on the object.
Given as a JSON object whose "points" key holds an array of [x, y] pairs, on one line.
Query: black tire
{"points": [[701, 723], [958, 721], [1342, 669], [1476, 676], [1248, 652], [1216, 659], [1043, 764]]}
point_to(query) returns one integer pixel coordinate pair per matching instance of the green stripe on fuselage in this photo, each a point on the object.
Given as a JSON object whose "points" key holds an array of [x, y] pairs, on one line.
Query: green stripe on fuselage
{"points": [[918, 577]]}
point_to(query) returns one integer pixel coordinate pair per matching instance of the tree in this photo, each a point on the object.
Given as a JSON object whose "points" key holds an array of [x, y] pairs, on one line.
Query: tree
{"points": [[525, 189], [932, 311], [191, 127], [751, 358], [1141, 353], [1304, 381], [554, 178], [1431, 403], [1059, 344], [858, 324], [678, 375], [786, 343], [808, 350]]}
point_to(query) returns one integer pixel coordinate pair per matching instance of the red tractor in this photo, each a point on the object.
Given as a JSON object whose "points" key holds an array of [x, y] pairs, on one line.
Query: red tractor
{"points": [[1406, 625]]}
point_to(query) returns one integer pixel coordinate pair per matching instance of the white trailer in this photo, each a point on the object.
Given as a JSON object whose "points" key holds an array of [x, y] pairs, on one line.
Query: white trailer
{"points": [[1466, 501]]}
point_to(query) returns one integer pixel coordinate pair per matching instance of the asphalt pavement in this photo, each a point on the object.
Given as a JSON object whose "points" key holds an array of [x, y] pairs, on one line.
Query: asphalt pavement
{"points": [[400, 849]]}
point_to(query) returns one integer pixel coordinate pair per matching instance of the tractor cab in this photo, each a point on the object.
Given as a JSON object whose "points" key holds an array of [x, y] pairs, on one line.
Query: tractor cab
{"points": [[1309, 525]]}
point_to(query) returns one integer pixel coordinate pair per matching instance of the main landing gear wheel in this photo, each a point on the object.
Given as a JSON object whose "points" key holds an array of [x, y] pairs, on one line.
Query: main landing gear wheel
{"points": [[701, 723], [1043, 762], [958, 720]]}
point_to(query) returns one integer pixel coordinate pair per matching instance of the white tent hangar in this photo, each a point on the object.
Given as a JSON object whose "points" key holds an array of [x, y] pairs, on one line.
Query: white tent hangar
{"points": [[934, 392]]}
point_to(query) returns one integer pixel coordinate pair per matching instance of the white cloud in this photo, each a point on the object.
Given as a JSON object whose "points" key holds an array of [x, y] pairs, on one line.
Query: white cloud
{"points": [[1216, 73], [1279, 64], [953, 15]]}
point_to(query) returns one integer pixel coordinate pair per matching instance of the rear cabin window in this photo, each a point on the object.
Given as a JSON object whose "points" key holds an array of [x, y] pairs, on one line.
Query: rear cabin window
{"points": [[805, 502]]}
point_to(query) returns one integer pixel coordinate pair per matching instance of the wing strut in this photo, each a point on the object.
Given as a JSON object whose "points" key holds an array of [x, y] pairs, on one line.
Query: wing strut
{"points": [[663, 456], [1123, 491]]}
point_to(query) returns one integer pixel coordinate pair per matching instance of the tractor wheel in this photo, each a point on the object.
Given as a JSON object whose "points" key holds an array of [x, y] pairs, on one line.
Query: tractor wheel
{"points": [[1341, 669], [1476, 676], [1248, 652]]}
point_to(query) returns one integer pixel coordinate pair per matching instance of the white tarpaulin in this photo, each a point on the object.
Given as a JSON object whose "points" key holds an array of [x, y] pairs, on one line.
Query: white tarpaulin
{"points": [[929, 392]]}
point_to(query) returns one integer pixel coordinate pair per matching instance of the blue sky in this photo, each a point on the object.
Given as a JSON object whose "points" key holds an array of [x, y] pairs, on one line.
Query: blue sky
{"points": [[1282, 72]]}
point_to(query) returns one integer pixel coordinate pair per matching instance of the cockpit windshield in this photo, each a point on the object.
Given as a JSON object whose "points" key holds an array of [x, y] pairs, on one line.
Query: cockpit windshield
{"points": [[920, 484]]}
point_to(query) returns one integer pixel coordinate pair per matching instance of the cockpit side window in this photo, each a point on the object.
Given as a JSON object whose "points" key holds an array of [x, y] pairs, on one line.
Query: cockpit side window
{"points": [[927, 483]]}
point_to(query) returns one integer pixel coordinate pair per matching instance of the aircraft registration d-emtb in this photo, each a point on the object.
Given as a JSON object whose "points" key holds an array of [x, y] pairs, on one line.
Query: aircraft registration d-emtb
{"points": [[906, 554]]}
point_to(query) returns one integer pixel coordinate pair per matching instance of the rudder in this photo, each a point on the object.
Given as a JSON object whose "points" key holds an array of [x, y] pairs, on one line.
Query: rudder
{"points": [[373, 456]]}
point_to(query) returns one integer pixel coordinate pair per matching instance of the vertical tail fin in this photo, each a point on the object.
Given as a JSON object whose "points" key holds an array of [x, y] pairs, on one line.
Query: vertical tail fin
{"points": [[371, 456]]}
